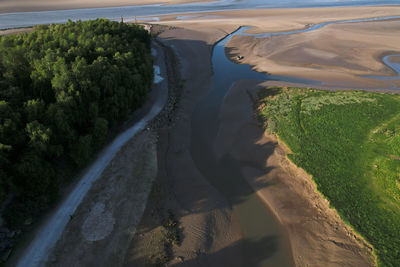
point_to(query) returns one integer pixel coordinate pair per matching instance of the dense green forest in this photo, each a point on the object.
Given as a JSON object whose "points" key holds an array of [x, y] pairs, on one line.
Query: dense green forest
{"points": [[350, 143], [62, 88]]}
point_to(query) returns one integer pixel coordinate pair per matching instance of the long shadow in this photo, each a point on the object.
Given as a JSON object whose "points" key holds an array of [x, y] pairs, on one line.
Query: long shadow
{"points": [[262, 244]]}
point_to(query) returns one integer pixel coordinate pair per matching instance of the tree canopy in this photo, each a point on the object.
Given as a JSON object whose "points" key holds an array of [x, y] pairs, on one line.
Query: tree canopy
{"points": [[62, 88]]}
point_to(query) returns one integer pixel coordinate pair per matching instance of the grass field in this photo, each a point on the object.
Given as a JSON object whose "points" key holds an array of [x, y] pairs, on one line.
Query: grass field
{"points": [[349, 141]]}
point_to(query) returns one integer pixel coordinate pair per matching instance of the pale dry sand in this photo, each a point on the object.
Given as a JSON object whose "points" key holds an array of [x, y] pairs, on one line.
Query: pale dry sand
{"points": [[317, 234], [9, 6]]}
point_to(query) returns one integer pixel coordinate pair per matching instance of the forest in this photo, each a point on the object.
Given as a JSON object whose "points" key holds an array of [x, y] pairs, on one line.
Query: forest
{"points": [[63, 87], [349, 141]]}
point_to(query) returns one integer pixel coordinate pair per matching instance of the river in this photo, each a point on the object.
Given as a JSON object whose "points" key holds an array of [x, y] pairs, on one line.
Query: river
{"points": [[257, 222]]}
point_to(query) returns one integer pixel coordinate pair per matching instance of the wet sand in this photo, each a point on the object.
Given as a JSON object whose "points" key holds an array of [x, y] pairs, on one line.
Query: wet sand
{"points": [[335, 55]]}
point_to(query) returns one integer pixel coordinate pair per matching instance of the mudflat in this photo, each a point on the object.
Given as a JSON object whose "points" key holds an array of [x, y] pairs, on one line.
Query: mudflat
{"points": [[336, 55]]}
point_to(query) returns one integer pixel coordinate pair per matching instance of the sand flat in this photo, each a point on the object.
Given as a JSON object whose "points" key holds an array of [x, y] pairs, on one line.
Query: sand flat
{"points": [[335, 55]]}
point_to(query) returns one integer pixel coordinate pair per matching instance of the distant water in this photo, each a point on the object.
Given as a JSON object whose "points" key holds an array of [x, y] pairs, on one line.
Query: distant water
{"points": [[395, 66], [24, 19]]}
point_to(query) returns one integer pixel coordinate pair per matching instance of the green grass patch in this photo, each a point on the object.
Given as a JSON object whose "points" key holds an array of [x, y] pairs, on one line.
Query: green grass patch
{"points": [[349, 141]]}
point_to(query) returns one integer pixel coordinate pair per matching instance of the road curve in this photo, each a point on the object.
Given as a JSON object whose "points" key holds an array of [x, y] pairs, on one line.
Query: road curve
{"points": [[38, 251]]}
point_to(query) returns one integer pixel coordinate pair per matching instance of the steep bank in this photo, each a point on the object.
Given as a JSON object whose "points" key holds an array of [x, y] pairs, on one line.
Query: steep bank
{"points": [[317, 234]]}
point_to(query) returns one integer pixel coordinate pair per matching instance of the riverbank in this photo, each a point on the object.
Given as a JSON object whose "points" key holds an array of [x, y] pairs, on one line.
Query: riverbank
{"points": [[317, 234]]}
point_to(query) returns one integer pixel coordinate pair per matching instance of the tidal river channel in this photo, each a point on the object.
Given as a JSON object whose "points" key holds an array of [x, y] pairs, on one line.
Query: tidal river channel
{"points": [[264, 242]]}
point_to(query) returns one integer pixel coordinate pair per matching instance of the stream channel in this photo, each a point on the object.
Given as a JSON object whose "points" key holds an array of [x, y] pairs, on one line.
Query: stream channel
{"points": [[264, 241]]}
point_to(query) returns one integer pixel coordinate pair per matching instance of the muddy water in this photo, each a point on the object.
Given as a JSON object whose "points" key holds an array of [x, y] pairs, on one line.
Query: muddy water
{"points": [[264, 242]]}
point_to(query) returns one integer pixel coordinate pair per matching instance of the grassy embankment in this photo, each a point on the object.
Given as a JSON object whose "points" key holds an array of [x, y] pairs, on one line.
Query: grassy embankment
{"points": [[350, 143]]}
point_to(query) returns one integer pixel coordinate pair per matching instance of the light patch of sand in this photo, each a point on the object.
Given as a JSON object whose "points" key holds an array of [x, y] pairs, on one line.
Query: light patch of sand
{"points": [[319, 53], [99, 223], [101, 229]]}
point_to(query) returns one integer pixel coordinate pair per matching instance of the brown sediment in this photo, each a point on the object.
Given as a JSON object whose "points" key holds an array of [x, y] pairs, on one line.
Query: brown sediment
{"points": [[317, 234], [336, 55]]}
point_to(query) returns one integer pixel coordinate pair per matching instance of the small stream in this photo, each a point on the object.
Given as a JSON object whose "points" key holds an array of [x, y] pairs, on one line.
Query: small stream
{"points": [[264, 242]]}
